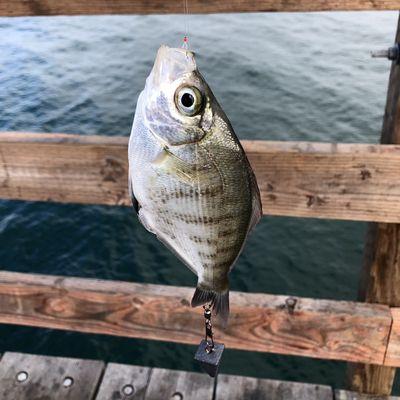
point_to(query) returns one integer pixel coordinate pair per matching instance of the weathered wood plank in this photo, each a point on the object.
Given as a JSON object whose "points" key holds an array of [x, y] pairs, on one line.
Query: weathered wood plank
{"points": [[73, 7], [322, 180], [393, 351], [179, 385], [302, 179], [31, 377], [121, 382], [344, 395], [239, 387], [380, 276], [259, 322], [64, 168]]}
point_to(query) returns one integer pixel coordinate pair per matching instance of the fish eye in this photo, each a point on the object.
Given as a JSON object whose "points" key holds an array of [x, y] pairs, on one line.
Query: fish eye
{"points": [[188, 100]]}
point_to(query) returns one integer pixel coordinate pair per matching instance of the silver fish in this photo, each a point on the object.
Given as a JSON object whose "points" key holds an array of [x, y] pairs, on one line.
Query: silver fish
{"points": [[190, 181]]}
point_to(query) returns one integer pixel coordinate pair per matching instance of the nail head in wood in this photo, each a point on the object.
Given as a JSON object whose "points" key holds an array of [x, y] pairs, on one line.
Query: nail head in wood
{"points": [[22, 376], [290, 303], [128, 390], [68, 382]]}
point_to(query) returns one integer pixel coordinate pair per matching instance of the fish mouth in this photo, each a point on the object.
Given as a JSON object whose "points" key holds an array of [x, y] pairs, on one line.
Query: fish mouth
{"points": [[170, 64]]}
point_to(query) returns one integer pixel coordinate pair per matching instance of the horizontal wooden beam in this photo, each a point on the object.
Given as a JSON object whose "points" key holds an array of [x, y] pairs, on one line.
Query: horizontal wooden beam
{"points": [[336, 330], [301, 179], [75, 7]]}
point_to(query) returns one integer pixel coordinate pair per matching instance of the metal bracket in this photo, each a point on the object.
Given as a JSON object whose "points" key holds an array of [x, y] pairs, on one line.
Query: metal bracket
{"points": [[392, 53]]}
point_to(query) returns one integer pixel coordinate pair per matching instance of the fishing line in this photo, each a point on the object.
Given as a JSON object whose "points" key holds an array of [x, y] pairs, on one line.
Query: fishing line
{"points": [[185, 43]]}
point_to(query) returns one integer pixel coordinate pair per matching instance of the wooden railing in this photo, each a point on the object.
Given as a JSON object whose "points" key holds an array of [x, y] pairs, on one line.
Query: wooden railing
{"points": [[337, 330], [302, 179], [322, 180], [75, 7]]}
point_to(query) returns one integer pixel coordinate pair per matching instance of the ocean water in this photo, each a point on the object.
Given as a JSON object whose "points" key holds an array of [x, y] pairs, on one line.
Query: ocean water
{"points": [[277, 76]]}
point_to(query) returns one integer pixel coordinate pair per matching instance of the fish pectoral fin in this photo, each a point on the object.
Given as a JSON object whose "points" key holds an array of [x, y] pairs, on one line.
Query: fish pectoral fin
{"points": [[171, 164]]}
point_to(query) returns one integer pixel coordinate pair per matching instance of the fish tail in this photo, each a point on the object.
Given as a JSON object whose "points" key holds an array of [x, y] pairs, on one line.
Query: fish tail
{"points": [[219, 301]]}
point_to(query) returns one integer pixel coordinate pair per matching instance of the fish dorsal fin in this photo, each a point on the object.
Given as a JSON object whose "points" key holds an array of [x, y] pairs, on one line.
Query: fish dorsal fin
{"points": [[256, 203], [256, 212]]}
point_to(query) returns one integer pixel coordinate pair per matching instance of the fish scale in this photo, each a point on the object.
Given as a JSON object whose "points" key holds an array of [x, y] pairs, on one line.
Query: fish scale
{"points": [[189, 177]]}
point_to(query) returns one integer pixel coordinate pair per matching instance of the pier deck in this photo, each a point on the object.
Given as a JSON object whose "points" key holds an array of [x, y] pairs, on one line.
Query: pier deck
{"points": [[33, 377]]}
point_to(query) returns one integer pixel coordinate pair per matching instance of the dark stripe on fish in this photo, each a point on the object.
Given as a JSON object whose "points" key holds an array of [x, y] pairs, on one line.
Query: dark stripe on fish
{"points": [[205, 220], [190, 193]]}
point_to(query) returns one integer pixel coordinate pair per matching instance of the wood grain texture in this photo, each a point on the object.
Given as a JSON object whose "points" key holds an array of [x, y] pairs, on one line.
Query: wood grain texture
{"points": [[302, 179], [75, 7], [322, 180], [380, 277], [64, 168], [371, 379], [179, 385], [393, 351], [120, 377], [337, 330], [239, 387], [46, 377]]}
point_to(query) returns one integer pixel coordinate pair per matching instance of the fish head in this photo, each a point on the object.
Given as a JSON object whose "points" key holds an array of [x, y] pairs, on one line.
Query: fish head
{"points": [[176, 102]]}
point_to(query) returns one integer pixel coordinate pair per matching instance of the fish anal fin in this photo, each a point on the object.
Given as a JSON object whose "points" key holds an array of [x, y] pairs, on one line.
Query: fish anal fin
{"points": [[167, 242], [163, 237]]}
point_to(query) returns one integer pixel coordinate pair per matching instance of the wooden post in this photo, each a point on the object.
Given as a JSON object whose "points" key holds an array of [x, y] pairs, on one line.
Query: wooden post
{"points": [[380, 281]]}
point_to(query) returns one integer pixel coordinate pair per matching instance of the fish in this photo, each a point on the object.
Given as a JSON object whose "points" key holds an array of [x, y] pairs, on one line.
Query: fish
{"points": [[190, 181]]}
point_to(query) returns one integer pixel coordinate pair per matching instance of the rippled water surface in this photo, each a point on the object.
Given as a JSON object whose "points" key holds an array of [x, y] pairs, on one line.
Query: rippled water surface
{"points": [[278, 77]]}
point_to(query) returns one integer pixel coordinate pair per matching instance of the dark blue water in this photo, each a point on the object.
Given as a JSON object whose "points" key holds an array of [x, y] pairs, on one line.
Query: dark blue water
{"points": [[278, 77]]}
